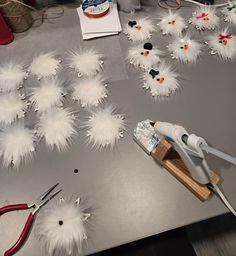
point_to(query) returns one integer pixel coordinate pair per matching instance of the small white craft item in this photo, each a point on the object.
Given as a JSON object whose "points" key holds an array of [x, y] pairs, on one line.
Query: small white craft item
{"points": [[230, 13], [204, 18], [223, 43], [49, 94], [12, 76], [139, 30], [172, 23], [161, 81], [144, 55], [90, 91], [86, 62], [57, 127], [17, 144], [61, 228], [105, 127], [12, 107], [45, 65], [185, 49]]}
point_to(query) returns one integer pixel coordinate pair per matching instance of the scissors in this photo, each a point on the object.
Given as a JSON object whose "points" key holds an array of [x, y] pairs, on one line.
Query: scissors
{"points": [[40, 202]]}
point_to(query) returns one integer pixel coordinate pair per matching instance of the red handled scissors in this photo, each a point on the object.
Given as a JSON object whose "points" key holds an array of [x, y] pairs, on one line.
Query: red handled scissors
{"points": [[40, 202]]}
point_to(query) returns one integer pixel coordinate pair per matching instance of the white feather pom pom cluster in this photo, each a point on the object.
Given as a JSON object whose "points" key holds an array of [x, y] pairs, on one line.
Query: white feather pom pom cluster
{"points": [[57, 126], [230, 13], [61, 228], [90, 91], [223, 43], [204, 18], [185, 49], [105, 127], [17, 144], [172, 23], [12, 76], [12, 107], [87, 62], [48, 95], [144, 55], [161, 81], [45, 65], [139, 30]]}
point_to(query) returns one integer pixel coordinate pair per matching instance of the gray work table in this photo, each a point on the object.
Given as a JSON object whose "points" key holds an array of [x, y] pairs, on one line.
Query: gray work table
{"points": [[131, 196]]}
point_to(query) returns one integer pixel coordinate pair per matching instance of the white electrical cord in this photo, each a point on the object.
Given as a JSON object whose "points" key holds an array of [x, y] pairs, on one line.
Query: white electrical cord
{"points": [[218, 192], [165, 4], [197, 3]]}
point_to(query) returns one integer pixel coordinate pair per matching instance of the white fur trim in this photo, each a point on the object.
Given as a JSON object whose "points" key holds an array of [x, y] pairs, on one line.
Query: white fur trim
{"points": [[139, 35], [105, 127], [145, 62], [48, 95], [159, 87], [11, 107], [12, 76], [225, 52], [185, 49], [61, 228], [57, 126], [172, 23], [230, 13], [17, 144], [90, 91], [86, 62], [45, 65], [205, 18]]}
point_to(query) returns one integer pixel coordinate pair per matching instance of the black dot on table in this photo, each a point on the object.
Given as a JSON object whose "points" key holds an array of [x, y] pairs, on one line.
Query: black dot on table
{"points": [[60, 222], [76, 170]]}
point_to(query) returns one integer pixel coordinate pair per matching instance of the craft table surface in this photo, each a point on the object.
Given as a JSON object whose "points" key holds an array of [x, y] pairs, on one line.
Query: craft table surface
{"points": [[131, 196]]}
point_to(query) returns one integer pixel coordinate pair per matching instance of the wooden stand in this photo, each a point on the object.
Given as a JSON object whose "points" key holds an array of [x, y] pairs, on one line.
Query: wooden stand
{"points": [[170, 159]]}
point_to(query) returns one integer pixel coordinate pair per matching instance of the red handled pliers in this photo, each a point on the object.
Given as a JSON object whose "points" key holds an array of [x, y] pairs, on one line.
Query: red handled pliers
{"points": [[40, 202]]}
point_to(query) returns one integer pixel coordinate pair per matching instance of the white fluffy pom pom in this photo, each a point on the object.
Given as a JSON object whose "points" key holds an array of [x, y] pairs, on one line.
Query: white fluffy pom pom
{"points": [[11, 77], [87, 62], [45, 65], [223, 43], [105, 127], [90, 91], [61, 228], [57, 126], [144, 55], [139, 30], [48, 95], [161, 81], [204, 18], [172, 23], [12, 107], [185, 49], [17, 144], [230, 13]]}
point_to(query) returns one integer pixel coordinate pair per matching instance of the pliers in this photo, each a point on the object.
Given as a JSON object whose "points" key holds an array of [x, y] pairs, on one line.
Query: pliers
{"points": [[40, 202]]}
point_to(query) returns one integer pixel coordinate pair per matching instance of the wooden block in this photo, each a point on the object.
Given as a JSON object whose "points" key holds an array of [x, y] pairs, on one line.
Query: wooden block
{"points": [[174, 164]]}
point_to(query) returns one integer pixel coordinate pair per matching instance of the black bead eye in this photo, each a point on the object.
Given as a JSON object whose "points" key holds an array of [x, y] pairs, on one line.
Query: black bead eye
{"points": [[141, 53], [60, 222], [220, 42], [181, 47], [147, 52], [158, 79]]}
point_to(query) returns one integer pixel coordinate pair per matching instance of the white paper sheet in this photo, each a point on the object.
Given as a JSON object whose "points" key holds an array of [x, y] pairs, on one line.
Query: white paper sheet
{"points": [[104, 26]]}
